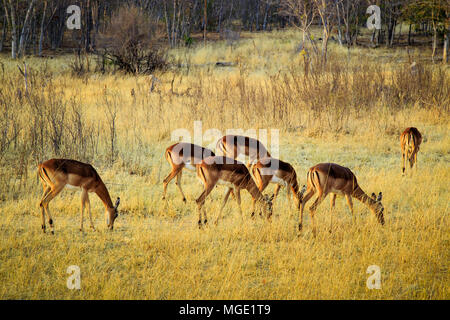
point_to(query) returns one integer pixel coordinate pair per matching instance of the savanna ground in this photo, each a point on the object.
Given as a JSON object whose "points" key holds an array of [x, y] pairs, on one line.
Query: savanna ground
{"points": [[351, 113]]}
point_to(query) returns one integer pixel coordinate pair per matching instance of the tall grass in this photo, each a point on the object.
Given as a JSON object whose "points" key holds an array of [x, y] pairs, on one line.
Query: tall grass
{"points": [[351, 112]]}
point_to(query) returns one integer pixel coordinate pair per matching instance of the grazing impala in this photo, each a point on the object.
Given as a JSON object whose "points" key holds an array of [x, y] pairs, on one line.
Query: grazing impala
{"points": [[271, 170], [55, 174], [183, 155], [233, 174], [325, 178], [233, 146], [410, 141]]}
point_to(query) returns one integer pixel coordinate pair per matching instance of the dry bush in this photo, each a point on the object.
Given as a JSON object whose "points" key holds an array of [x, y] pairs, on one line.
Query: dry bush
{"points": [[132, 42]]}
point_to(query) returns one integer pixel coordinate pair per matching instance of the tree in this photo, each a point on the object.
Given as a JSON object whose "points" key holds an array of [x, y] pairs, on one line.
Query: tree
{"points": [[429, 11], [23, 34], [325, 10], [13, 30], [303, 13]]}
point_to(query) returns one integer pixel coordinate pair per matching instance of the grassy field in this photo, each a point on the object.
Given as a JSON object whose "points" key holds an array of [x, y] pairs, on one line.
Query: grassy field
{"points": [[351, 114]]}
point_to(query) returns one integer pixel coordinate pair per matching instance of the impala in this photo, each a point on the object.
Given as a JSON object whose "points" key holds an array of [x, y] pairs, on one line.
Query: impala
{"points": [[55, 174], [271, 170], [325, 178], [183, 155], [410, 141], [233, 146], [233, 174]]}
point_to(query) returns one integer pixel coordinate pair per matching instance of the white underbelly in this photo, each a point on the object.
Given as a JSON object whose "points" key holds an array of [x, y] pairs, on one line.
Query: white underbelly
{"points": [[279, 181], [335, 191], [69, 186], [189, 166], [225, 183]]}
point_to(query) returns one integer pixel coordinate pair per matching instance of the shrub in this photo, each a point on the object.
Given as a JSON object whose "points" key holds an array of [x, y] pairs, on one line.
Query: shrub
{"points": [[132, 42]]}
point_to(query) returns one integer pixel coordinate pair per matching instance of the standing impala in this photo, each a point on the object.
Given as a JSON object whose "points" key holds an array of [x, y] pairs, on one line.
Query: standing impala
{"points": [[271, 170], [233, 174], [55, 174], [325, 178], [410, 141], [183, 155], [233, 146]]}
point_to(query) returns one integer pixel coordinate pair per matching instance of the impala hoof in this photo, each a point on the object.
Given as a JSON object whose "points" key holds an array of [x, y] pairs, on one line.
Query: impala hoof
{"points": [[300, 227], [184, 200]]}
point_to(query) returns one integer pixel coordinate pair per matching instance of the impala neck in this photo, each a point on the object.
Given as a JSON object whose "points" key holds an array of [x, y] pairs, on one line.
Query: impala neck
{"points": [[359, 194], [103, 194], [252, 188]]}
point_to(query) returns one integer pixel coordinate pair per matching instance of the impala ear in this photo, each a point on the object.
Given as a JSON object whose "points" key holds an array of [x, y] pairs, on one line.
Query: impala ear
{"points": [[374, 196], [117, 203], [380, 196]]}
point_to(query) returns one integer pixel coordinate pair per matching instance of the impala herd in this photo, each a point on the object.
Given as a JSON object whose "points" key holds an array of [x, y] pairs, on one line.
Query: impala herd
{"points": [[224, 169]]}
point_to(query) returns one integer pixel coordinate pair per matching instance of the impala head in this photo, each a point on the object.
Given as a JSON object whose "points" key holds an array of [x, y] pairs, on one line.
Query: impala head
{"points": [[111, 214], [378, 209]]}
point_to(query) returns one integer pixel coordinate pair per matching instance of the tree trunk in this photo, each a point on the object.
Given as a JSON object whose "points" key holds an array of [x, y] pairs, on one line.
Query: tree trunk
{"points": [[13, 30], [167, 23], [339, 24], [265, 16], [409, 34], [220, 17], [2, 39], [434, 41], [205, 23], [24, 29], [41, 36], [88, 26], [391, 40], [445, 50]]}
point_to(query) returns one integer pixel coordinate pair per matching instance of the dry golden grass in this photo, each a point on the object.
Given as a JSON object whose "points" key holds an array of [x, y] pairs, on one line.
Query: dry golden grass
{"points": [[156, 250]]}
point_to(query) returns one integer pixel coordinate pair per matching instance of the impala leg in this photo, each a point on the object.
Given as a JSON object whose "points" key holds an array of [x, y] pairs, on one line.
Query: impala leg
{"points": [[277, 189], [288, 193], [312, 211], [171, 175], [332, 203], [403, 163], [88, 203], [84, 199], [225, 199], [308, 195], [349, 200], [415, 159], [200, 202], [253, 207], [238, 200], [178, 184], [49, 197], [41, 206]]}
